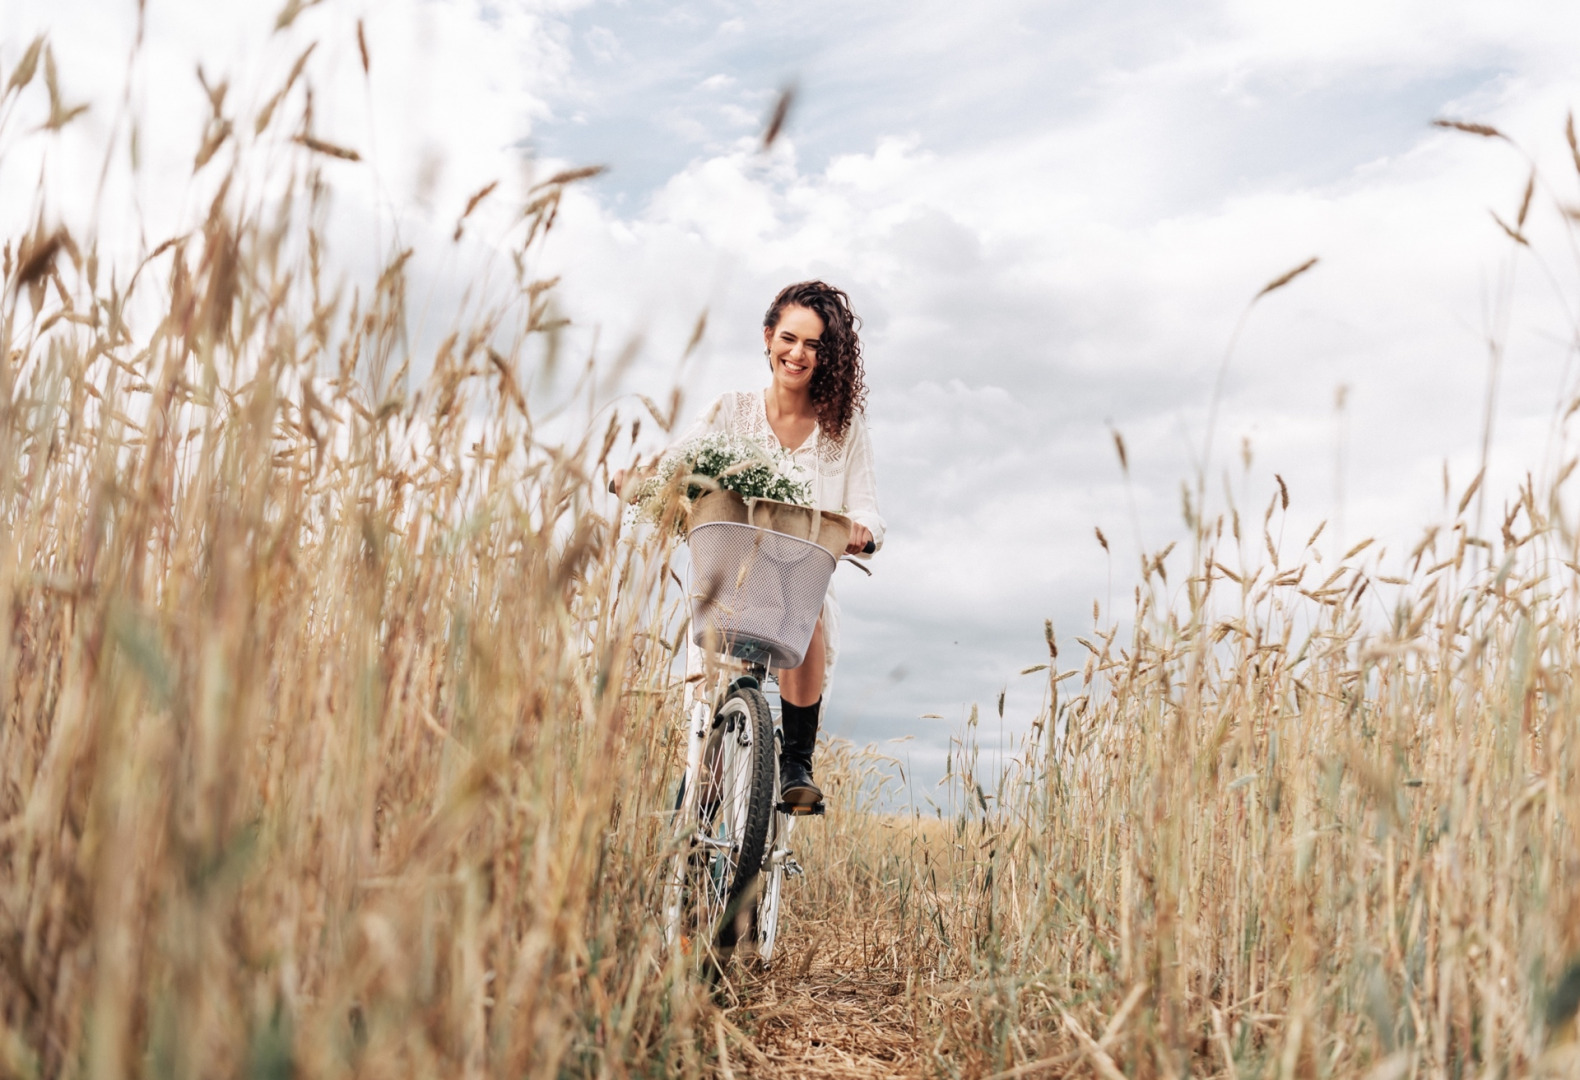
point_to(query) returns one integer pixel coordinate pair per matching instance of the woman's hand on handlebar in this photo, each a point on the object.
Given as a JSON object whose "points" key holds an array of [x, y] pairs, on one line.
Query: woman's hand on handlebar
{"points": [[622, 481], [860, 540]]}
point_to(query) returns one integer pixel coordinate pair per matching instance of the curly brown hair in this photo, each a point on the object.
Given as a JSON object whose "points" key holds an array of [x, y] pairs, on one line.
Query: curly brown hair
{"points": [[839, 389]]}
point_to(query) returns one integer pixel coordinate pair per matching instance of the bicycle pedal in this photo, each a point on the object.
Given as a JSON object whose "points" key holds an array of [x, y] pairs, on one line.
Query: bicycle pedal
{"points": [[815, 810]]}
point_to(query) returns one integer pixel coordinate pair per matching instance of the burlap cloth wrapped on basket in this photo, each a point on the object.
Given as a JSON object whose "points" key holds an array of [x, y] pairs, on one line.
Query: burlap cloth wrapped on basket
{"points": [[825, 528]]}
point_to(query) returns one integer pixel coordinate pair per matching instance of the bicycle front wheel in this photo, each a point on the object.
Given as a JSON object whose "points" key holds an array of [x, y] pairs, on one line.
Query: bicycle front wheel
{"points": [[734, 809], [771, 893]]}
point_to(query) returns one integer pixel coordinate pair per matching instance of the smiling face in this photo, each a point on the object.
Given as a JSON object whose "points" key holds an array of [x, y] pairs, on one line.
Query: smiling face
{"points": [[792, 347]]}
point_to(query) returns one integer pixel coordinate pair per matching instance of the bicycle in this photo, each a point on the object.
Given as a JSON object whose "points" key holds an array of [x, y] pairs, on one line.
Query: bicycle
{"points": [[756, 596]]}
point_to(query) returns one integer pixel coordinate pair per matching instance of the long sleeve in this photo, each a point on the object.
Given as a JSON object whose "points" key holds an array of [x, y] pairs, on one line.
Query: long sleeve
{"points": [[861, 483]]}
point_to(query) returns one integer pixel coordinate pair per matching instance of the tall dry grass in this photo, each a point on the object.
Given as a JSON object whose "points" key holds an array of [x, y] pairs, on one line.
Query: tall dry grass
{"points": [[335, 717], [339, 729], [1294, 819], [1268, 841]]}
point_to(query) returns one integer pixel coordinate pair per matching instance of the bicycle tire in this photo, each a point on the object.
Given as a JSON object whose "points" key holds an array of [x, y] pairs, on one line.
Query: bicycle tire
{"points": [[770, 893], [734, 812]]}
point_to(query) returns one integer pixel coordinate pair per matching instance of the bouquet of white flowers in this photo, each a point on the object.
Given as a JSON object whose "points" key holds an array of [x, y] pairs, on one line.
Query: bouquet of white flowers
{"points": [[718, 463]]}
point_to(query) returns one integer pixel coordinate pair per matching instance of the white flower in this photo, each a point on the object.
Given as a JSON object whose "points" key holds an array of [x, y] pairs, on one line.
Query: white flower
{"points": [[730, 462]]}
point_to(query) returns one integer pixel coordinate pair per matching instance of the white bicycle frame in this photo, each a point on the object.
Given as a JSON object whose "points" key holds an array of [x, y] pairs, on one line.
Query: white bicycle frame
{"points": [[777, 864]]}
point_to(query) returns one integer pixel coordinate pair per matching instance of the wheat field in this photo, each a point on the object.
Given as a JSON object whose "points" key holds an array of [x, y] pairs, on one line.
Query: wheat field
{"points": [[340, 727]]}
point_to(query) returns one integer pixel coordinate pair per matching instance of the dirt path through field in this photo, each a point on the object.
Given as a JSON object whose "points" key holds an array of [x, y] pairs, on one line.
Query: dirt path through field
{"points": [[831, 1019]]}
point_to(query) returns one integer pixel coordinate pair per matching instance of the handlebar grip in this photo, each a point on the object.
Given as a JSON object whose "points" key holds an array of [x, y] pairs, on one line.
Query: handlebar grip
{"points": [[870, 548]]}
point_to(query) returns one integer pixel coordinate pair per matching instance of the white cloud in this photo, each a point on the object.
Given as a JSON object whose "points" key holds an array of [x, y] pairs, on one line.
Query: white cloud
{"points": [[1023, 291], [605, 45], [453, 89]]}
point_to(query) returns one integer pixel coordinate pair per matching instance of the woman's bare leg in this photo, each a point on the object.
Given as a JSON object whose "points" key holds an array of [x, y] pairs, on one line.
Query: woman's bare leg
{"points": [[804, 685]]}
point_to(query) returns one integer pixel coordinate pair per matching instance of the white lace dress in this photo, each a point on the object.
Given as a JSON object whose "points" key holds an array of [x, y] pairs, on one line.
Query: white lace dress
{"points": [[840, 474]]}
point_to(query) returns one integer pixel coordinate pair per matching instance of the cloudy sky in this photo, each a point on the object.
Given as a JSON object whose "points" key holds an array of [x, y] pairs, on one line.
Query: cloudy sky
{"points": [[1050, 215]]}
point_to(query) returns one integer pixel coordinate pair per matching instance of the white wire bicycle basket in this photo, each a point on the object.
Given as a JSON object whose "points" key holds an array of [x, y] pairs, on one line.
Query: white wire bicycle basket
{"points": [[755, 593]]}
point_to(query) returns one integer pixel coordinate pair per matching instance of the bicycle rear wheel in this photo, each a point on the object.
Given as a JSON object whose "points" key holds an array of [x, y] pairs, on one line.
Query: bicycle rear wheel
{"points": [[733, 810]]}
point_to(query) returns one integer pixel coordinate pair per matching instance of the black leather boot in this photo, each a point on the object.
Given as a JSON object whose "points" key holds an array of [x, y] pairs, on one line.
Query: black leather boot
{"points": [[799, 723]]}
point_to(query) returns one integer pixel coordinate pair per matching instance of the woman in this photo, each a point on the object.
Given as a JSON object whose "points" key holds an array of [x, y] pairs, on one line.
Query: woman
{"points": [[813, 407]]}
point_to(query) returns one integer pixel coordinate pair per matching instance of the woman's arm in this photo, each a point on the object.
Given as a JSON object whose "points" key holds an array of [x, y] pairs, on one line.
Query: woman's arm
{"points": [[861, 484]]}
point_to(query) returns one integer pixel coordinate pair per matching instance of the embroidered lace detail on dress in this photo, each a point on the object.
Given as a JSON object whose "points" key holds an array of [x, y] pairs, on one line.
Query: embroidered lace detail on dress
{"points": [[828, 450], [751, 418]]}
